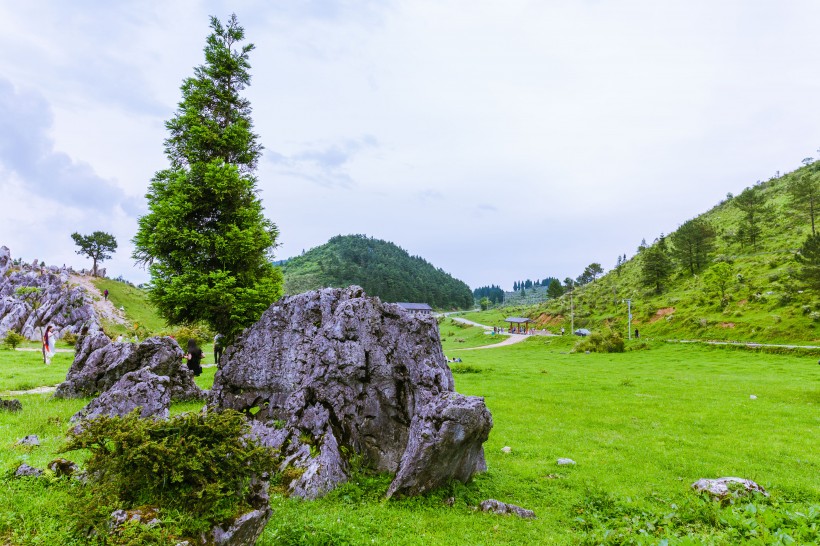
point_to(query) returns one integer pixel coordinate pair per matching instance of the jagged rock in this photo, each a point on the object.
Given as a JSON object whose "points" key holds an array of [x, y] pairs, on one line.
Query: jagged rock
{"points": [[445, 442], [242, 531], [25, 470], [498, 507], [99, 364], [67, 308], [139, 389], [332, 371], [723, 488], [31, 440], [12, 405], [63, 467]]}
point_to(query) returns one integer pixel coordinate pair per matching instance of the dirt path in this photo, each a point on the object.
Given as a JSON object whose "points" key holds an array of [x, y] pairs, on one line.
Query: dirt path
{"points": [[38, 390], [511, 340], [104, 308]]}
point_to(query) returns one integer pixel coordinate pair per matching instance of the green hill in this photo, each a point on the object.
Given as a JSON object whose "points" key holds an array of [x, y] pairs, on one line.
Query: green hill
{"points": [[763, 297], [380, 267]]}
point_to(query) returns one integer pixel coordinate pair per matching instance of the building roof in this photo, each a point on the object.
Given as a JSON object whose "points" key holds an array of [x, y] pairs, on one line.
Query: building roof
{"points": [[414, 306], [517, 320]]}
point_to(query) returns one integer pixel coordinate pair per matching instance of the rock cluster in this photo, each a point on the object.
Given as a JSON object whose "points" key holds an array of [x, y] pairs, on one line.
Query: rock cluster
{"points": [[498, 507], [141, 389], [99, 364], [332, 373], [67, 308], [725, 488], [12, 405]]}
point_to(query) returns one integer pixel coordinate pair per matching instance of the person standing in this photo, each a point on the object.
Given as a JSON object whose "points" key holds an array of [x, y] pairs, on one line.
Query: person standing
{"points": [[105, 294], [49, 344], [219, 346], [194, 357]]}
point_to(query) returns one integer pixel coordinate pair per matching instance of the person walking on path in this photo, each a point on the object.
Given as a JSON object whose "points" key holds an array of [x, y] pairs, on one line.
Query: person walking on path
{"points": [[105, 294], [194, 357], [49, 342], [219, 346]]}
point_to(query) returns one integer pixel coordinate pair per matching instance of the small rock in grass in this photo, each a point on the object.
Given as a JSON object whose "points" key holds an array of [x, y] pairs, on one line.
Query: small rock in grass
{"points": [[498, 507], [30, 440], [565, 462], [63, 467], [11, 405], [506, 449], [723, 488], [752, 397], [26, 470]]}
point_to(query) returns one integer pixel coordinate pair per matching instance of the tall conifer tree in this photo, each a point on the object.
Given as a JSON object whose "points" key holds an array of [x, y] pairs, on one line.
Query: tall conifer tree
{"points": [[205, 239]]}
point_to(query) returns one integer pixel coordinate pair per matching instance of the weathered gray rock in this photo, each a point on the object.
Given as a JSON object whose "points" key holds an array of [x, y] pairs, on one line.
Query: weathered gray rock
{"points": [[563, 461], [498, 507], [25, 470], [99, 364], [12, 405], [56, 302], [725, 488], [147, 516], [141, 389], [332, 372], [31, 440], [244, 530], [445, 442]]}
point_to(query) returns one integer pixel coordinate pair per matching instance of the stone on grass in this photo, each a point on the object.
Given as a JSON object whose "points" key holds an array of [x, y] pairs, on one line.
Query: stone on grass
{"points": [[506, 449], [25, 470], [244, 530], [752, 397], [565, 462], [31, 440], [99, 364], [724, 488], [333, 374], [12, 405], [498, 507], [63, 467], [145, 516], [141, 389]]}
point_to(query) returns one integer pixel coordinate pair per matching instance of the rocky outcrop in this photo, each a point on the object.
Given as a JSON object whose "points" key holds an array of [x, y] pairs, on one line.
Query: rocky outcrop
{"points": [[12, 405], [32, 297], [331, 373], [100, 363], [727, 488], [141, 389]]}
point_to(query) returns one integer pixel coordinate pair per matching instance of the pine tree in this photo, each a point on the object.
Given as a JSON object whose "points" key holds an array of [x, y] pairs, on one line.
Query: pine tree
{"points": [[753, 205], [205, 239], [656, 266], [809, 259], [804, 193], [692, 244]]}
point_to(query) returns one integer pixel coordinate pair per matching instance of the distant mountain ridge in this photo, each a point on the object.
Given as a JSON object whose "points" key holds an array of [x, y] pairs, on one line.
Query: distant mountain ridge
{"points": [[382, 268]]}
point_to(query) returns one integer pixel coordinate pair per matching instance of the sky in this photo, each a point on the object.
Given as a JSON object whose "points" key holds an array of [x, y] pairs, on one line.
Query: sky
{"points": [[500, 141]]}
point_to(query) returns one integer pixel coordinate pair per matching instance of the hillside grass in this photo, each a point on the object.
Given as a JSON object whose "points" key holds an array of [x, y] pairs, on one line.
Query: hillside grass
{"points": [[137, 307], [455, 336], [641, 425]]}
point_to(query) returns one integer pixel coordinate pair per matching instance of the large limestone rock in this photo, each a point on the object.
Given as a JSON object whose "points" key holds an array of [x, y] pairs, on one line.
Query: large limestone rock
{"points": [[99, 364], [330, 373], [67, 308], [141, 389]]}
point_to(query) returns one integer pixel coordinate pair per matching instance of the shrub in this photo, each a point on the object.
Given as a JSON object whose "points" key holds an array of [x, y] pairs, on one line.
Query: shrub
{"points": [[13, 339], [183, 333], [70, 338], [606, 342], [199, 464]]}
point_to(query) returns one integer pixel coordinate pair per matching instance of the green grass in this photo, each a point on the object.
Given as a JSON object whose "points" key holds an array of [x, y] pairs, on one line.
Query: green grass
{"points": [[642, 426], [25, 370], [455, 336], [137, 308]]}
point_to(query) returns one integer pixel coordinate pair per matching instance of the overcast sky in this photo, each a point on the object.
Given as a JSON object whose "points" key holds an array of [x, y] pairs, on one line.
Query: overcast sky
{"points": [[498, 140]]}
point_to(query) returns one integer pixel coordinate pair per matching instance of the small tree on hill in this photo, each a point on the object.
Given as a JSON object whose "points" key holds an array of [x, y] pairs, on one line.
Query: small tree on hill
{"points": [[554, 290], [208, 246], [752, 204], [717, 280], [809, 259], [656, 266], [804, 194], [98, 246], [692, 244]]}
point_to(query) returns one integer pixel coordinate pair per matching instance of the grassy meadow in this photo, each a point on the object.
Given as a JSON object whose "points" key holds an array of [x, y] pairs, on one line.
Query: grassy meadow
{"points": [[641, 426]]}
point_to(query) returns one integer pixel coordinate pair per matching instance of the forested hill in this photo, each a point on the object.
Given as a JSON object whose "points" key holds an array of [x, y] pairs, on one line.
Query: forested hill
{"points": [[380, 267]]}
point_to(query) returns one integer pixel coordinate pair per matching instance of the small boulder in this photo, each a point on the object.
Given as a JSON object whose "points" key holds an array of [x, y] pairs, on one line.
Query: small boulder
{"points": [[63, 467], [725, 488], [506, 449], [565, 462], [242, 531], [752, 397], [31, 440], [11, 405], [25, 470], [141, 389], [498, 507]]}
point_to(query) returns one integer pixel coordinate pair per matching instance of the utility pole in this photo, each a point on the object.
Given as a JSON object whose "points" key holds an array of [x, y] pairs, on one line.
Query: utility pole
{"points": [[628, 318], [571, 308]]}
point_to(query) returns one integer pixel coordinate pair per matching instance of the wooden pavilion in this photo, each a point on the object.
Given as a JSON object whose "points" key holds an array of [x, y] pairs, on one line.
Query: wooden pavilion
{"points": [[518, 321]]}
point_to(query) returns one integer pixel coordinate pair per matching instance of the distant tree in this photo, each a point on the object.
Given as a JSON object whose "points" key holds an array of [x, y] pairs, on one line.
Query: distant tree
{"points": [[656, 265], [618, 266], [593, 270], [717, 279], [554, 290], [643, 245], [528, 284], [484, 303], [515, 286], [206, 240], [752, 204], [98, 246], [809, 259], [804, 195], [692, 244], [568, 284]]}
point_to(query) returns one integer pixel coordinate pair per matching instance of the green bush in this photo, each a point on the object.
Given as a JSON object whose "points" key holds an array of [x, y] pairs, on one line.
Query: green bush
{"points": [[606, 342], [13, 339], [197, 464], [70, 338], [182, 334]]}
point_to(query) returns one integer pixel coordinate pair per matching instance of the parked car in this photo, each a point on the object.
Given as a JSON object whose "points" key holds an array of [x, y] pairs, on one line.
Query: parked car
{"points": [[582, 332]]}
